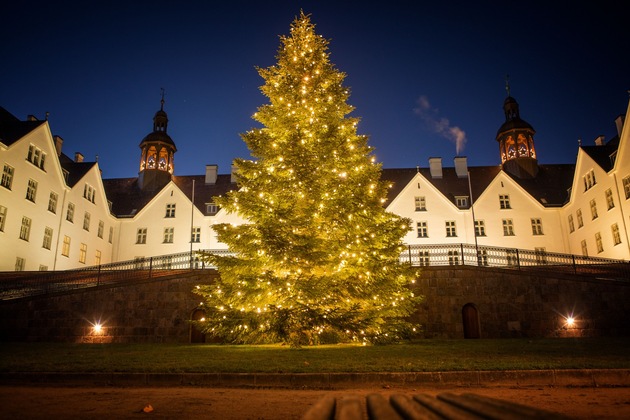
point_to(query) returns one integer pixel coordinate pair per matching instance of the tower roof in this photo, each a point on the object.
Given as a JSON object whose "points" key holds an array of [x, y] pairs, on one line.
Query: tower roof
{"points": [[513, 120]]}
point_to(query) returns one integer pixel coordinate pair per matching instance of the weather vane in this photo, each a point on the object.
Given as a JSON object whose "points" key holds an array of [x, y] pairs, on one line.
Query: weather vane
{"points": [[507, 84], [162, 101]]}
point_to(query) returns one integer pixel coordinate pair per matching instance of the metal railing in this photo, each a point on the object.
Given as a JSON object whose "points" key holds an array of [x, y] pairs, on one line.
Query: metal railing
{"points": [[514, 258], [15, 285]]}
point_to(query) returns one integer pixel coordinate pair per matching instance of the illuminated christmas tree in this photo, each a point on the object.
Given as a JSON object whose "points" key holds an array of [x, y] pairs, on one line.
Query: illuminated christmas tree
{"points": [[318, 260]]}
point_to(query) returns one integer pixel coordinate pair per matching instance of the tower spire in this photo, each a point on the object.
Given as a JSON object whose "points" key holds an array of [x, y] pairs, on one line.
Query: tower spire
{"points": [[162, 101], [507, 84]]}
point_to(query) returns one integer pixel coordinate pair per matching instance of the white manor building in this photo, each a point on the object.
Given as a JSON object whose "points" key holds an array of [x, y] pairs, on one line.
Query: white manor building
{"points": [[57, 213]]}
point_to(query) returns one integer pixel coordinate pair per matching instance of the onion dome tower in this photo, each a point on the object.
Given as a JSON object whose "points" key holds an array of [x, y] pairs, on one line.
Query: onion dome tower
{"points": [[516, 141], [158, 149]]}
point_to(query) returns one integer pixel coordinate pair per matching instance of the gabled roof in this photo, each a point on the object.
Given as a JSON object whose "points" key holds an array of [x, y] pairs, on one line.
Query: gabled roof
{"points": [[551, 185], [128, 198], [601, 154], [76, 170], [12, 129]]}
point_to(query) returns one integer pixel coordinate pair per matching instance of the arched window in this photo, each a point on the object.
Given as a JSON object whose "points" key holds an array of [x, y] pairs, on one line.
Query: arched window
{"points": [[152, 158], [163, 160], [196, 335], [470, 318]]}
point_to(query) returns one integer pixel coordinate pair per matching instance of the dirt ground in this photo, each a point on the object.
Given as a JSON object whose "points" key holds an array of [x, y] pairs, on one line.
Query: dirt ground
{"points": [[228, 403]]}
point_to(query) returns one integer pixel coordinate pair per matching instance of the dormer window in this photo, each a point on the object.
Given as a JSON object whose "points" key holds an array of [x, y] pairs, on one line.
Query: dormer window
{"points": [[461, 201], [211, 209]]}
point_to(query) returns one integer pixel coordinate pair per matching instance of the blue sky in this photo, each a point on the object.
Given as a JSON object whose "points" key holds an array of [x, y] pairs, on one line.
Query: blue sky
{"points": [[420, 73]]}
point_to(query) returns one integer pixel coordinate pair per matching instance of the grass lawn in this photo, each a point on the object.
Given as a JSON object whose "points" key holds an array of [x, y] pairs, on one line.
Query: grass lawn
{"points": [[418, 356]]}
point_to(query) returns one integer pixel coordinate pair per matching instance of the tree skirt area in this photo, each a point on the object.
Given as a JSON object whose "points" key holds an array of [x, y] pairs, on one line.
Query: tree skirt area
{"points": [[236, 403]]}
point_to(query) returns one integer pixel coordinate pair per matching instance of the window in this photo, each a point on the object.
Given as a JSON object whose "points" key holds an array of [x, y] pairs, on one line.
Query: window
{"points": [[594, 209], [3, 217], [589, 180], [97, 258], [101, 228], [25, 230], [82, 253], [70, 213], [423, 231], [537, 226], [86, 221], [626, 186], [450, 229], [480, 228], [52, 202], [19, 264], [615, 234], [453, 257], [508, 227], [599, 243], [65, 248], [7, 176], [571, 224], [609, 199], [36, 156], [211, 209], [584, 248], [170, 210], [111, 235], [89, 193], [31, 190], [461, 201], [580, 220], [195, 234], [541, 255], [168, 235], [504, 201], [141, 236], [423, 258], [48, 234], [421, 204]]}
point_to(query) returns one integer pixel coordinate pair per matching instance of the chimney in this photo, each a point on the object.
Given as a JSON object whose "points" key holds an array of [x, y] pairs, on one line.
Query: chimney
{"points": [[599, 141], [233, 174], [211, 174], [31, 117], [58, 143], [619, 121], [461, 166], [435, 166], [78, 157]]}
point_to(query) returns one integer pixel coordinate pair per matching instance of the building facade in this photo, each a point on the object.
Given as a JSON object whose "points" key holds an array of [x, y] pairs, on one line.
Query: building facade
{"points": [[57, 212]]}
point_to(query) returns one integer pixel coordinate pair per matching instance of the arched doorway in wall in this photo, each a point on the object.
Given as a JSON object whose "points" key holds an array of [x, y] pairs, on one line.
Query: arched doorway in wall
{"points": [[470, 318], [196, 336]]}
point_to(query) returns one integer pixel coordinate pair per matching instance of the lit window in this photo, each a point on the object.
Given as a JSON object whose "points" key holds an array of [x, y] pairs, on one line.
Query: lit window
{"points": [[70, 213], [420, 204], [82, 253], [31, 190], [504, 201], [19, 264], [141, 236], [609, 199], [97, 258], [7, 176], [86, 221], [101, 228], [168, 235], [65, 248], [594, 209], [537, 226], [3, 217], [451, 231], [508, 227], [571, 224], [598, 242], [480, 228], [196, 234], [52, 202], [423, 231], [626, 186], [615, 233], [25, 229], [48, 234], [170, 210], [580, 220]]}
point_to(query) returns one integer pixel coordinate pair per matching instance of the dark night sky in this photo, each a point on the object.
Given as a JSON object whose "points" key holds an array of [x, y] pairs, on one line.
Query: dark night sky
{"points": [[97, 67]]}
